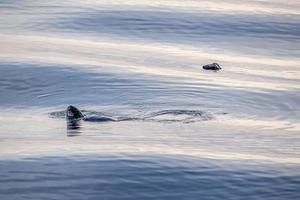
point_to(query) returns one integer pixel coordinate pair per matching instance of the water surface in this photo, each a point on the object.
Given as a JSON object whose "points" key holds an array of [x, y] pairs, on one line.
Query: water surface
{"points": [[230, 134]]}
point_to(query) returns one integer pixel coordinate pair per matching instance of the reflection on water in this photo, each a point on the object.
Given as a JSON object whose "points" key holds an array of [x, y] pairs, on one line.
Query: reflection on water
{"points": [[40, 85], [145, 177], [135, 69], [73, 127]]}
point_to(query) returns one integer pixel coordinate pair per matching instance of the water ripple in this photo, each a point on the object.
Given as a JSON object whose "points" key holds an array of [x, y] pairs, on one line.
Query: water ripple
{"points": [[164, 116], [142, 177]]}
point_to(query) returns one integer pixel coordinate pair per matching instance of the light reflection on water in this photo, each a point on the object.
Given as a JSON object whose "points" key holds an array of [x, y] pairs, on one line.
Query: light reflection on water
{"points": [[145, 177], [131, 59]]}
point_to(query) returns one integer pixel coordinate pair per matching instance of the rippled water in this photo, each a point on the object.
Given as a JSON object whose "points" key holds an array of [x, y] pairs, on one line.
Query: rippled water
{"points": [[178, 131], [145, 177]]}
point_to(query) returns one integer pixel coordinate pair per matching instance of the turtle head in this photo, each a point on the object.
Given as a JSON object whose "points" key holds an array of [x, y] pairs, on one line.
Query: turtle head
{"points": [[73, 113]]}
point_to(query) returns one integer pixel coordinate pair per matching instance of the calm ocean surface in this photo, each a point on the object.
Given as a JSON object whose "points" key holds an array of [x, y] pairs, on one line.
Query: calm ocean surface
{"points": [[192, 134]]}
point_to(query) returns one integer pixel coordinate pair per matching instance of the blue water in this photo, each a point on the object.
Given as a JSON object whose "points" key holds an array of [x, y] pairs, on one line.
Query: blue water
{"points": [[145, 177], [177, 131]]}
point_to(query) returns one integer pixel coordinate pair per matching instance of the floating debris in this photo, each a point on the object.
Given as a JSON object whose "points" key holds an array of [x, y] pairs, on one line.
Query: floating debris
{"points": [[213, 66]]}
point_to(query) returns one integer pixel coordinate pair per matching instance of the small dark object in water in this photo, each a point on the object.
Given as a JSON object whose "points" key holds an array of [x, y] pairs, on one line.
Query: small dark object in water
{"points": [[73, 116], [213, 66], [73, 113]]}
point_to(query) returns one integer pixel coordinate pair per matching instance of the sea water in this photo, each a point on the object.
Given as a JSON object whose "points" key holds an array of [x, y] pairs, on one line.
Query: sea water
{"points": [[192, 134]]}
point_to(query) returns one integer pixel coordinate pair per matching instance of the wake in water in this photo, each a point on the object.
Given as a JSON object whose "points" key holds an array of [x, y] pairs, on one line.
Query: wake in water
{"points": [[73, 115]]}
